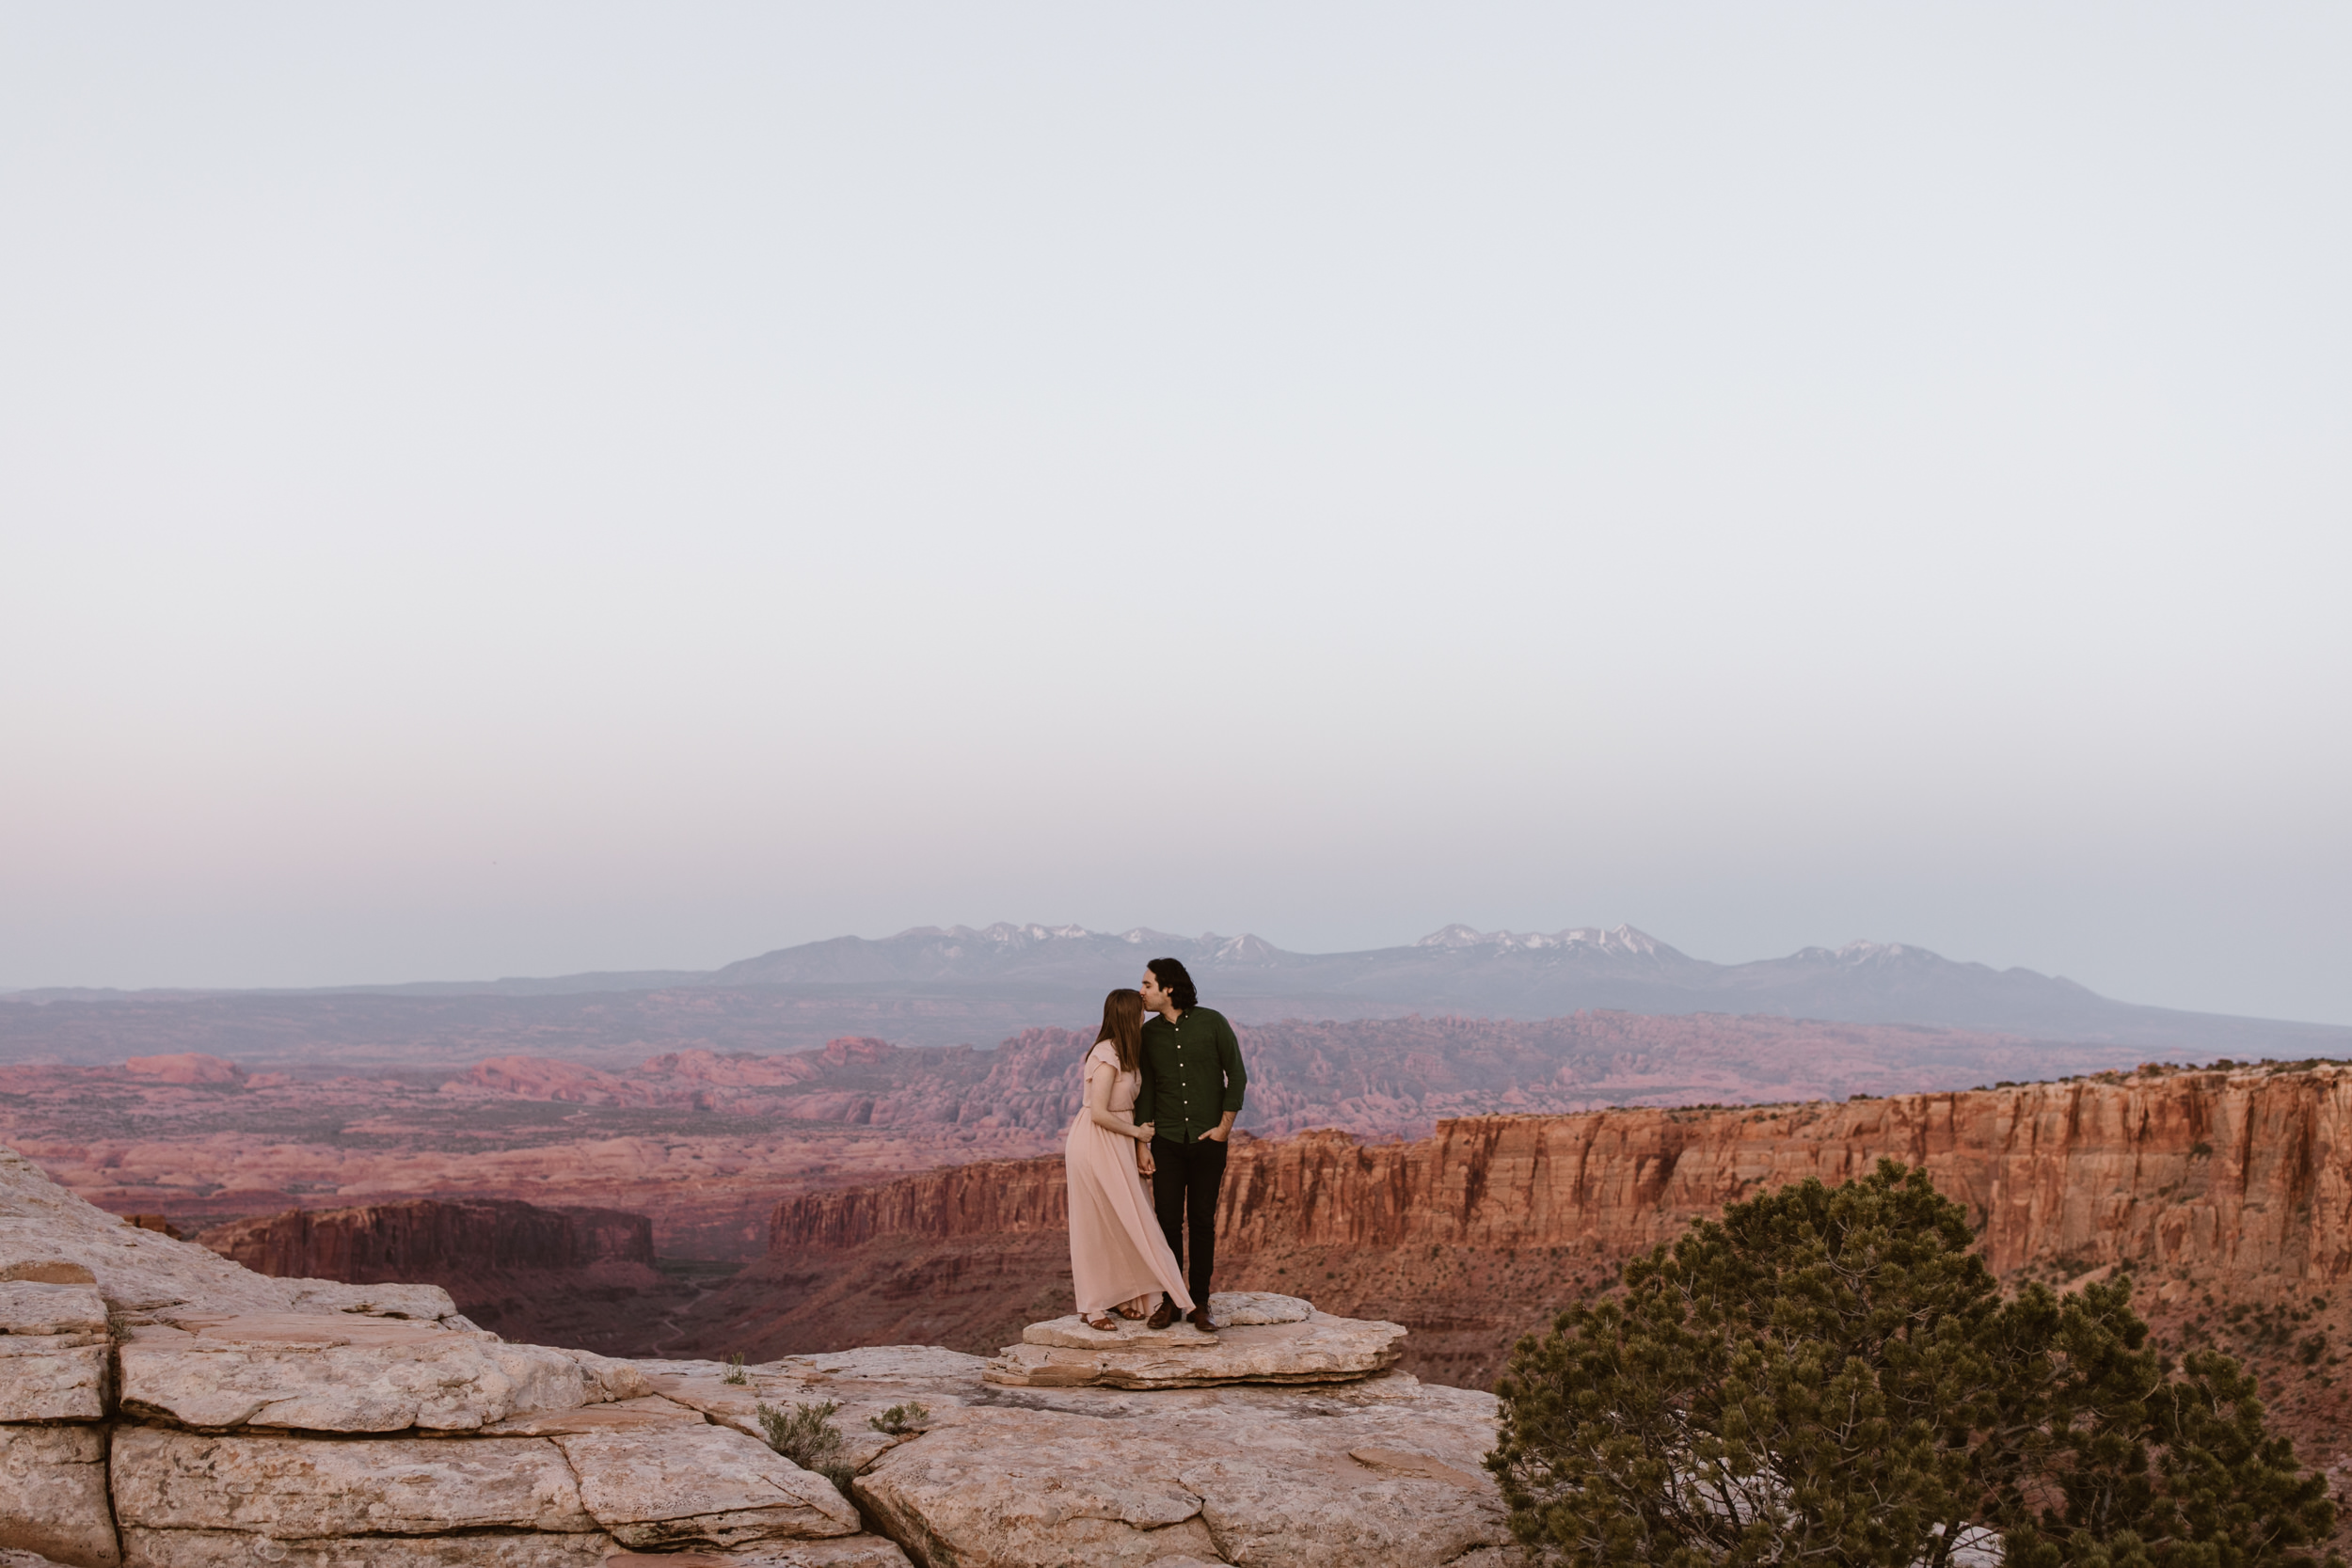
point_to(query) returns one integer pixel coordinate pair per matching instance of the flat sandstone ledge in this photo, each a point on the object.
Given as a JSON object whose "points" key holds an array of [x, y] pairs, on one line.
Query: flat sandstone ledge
{"points": [[1380, 1471], [308, 1424], [1270, 1339]]}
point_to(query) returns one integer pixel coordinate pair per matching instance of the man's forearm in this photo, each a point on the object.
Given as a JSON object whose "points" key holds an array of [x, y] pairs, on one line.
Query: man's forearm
{"points": [[1224, 1126]]}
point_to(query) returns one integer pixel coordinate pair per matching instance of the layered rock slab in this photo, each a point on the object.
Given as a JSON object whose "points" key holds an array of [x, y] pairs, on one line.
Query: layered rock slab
{"points": [[54, 1351], [689, 1485], [301, 1488], [48, 1235], [175, 1548], [850, 1551], [53, 1379], [53, 1484], [341, 1372], [45, 1311], [1270, 1339], [1234, 1474], [1374, 1471], [862, 1383], [674, 1484], [1379, 1472]]}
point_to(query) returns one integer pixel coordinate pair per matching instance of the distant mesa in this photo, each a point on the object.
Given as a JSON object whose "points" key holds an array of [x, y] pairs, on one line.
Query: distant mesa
{"points": [[185, 1066]]}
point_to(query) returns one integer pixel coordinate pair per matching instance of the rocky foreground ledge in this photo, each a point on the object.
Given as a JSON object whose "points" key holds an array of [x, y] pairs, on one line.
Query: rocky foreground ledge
{"points": [[160, 1407]]}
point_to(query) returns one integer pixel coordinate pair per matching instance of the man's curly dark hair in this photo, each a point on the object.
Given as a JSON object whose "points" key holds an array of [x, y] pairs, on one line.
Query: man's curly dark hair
{"points": [[1173, 980]]}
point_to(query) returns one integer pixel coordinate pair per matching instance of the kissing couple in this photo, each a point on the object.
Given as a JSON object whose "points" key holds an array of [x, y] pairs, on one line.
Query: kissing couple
{"points": [[1160, 1101]]}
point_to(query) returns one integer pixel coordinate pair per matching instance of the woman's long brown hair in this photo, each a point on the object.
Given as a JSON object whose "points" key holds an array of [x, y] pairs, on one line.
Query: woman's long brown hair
{"points": [[1123, 1026]]}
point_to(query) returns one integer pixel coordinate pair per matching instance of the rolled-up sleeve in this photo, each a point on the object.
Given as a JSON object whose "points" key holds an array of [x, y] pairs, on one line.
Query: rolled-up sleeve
{"points": [[1229, 1057]]}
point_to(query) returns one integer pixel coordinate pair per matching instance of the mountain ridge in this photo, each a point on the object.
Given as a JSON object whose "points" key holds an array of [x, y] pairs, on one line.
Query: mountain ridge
{"points": [[961, 982]]}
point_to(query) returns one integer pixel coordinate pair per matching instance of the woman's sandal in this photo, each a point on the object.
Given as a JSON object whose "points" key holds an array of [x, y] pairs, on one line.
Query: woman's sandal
{"points": [[1100, 1324], [1133, 1313]]}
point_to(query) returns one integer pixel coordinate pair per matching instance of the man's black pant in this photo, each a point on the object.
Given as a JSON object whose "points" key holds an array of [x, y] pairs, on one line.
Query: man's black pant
{"points": [[1189, 1174]]}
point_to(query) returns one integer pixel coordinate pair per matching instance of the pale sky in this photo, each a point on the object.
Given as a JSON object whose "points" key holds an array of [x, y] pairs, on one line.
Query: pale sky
{"points": [[492, 490]]}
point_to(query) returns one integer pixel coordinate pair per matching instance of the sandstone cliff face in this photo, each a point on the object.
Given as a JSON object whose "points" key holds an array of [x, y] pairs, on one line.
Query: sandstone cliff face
{"points": [[572, 1276], [423, 1238], [706, 1141], [2241, 1174], [2228, 1192]]}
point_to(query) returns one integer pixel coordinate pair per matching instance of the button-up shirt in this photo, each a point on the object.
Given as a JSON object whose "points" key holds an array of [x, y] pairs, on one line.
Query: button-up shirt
{"points": [[1192, 1075]]}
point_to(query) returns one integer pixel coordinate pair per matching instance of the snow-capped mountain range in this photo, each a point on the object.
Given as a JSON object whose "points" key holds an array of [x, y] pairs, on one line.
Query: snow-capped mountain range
{"points": [[1622, 939], [1460, 969], [939, 985]]}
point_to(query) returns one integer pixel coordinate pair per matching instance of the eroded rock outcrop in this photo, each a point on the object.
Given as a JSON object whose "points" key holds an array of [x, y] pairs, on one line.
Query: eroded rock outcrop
{"points": [[331, 1425], [2237, 1172], [1382, 1472], [165, 1408], [526, 1270], [423, 1238], [1265, 1338], [2228, 1183]]}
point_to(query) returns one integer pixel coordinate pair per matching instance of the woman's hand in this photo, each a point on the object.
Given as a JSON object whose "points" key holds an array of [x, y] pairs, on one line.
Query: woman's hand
{"points": [[1144, 1132], [1143, 1160]]}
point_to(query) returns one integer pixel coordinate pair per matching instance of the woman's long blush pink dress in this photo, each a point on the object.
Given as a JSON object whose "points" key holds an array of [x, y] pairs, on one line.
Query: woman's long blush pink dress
{"points": [[1116, 1253]]}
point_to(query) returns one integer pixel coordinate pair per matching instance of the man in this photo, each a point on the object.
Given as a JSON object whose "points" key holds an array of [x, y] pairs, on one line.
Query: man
{"points": [[1191, 1092]]}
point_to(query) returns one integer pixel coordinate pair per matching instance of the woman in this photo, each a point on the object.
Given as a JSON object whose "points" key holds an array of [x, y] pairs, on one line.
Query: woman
{"points": [[1118, 1257]]}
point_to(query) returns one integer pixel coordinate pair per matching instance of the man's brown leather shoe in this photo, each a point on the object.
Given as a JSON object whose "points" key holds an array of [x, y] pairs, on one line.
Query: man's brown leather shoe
{"points": [[1200, 1320], [1165, 1315]]}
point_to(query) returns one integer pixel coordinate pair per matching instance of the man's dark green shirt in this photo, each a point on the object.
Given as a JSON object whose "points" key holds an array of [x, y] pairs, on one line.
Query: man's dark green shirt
{"points": [[1192, 1075]]}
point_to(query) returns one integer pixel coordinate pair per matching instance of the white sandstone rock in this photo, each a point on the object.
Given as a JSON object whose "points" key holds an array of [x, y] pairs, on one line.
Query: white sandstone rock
{"points": [[309, 1488], [840, 1551], [201, 1548], [1095, 1475], [608, 1377], [424, 1302], [863, 1383], [52, 1377], [1065, 1353], [1037, 1486], [1128, 1447], [337, 1372], [1244, 1308], [11, 1558], [620, 1415], [48, 1234], [52, 1495], [1383, 1472], [687, 1486], [29, 1307]]}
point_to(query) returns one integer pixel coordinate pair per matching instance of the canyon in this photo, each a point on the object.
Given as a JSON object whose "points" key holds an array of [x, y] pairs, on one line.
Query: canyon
{"points": [[583, 1278], [2227, 1195], [1462, 1176], [706, 1141], [2224, 1194]]}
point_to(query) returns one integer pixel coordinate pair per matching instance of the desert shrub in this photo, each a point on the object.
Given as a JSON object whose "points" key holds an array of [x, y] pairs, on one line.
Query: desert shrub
{"points": [[805, 1435], [1830, 1375], [900, 1418], [735, 1372]]}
